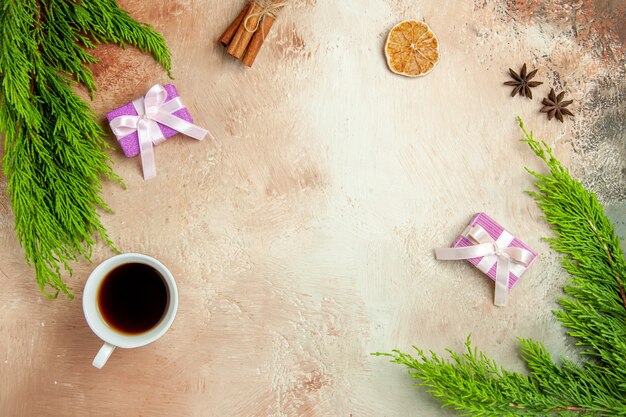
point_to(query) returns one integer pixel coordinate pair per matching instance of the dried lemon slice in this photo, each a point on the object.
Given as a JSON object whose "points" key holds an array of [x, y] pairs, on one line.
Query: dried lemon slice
{"points": [[412, 49]]}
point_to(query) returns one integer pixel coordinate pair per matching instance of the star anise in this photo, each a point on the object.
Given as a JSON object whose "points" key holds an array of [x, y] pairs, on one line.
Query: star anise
{"points": [[522, 82], [555, 106]]}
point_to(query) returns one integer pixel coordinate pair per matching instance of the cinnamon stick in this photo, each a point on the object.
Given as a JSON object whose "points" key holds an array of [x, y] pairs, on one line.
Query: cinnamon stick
{"points": [[258, 38], [228, 35], [240, 41]]}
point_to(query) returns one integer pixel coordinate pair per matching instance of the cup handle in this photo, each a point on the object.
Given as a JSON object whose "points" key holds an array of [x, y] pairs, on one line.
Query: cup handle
{"points": [[103, 355]]}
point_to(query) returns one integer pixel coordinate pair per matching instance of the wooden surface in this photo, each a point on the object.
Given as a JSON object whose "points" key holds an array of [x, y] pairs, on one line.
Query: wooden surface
{"points": [[302, 239]]}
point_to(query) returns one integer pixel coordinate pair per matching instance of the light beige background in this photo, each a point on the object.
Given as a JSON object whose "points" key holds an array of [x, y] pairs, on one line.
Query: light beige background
{"points": [[302, 239]]}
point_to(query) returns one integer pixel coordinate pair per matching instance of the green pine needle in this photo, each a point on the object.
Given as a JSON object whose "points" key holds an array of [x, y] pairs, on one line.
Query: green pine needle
{"points": [[594, 313], [55, 155]]}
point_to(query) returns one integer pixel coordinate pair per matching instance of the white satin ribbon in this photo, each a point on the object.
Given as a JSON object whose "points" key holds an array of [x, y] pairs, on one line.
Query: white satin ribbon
{"points": [[493, 252], [152, 109]]}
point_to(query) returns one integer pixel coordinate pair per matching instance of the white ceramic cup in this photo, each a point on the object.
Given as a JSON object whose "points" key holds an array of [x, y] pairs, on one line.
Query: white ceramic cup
{"points": [[111, 337]]}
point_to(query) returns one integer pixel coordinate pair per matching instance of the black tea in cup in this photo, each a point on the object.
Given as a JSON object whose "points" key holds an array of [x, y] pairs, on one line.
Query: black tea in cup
{"points": [[133, 298]]}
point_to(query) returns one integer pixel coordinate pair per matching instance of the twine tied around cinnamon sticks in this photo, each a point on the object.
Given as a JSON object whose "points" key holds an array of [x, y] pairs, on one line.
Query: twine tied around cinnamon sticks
{"points": [[245, 35]]}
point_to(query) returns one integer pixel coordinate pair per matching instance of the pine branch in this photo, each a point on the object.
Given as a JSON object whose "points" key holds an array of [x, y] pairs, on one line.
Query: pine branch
{"points": [[55, 155], [594, 313]]}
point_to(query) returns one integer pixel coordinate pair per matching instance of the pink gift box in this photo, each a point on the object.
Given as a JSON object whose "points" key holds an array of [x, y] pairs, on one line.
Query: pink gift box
{"points": [[495, 230], [130, 143]]}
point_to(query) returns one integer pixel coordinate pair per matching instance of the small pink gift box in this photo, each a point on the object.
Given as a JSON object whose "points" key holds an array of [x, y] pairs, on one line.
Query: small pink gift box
{"points": [[150, 120], [130, 143], [488, 246]]}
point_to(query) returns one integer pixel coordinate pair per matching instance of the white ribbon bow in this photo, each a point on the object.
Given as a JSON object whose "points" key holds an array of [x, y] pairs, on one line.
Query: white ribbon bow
{"points": [[492, 251], [152, 109]]}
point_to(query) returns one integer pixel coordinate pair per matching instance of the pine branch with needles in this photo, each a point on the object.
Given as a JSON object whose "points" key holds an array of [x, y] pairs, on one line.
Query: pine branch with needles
{"points": [[593, 312], [55, 155]]}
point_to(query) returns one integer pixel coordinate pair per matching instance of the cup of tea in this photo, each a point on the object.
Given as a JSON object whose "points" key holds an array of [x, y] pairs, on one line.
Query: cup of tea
{"points": [[129, 300]]}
